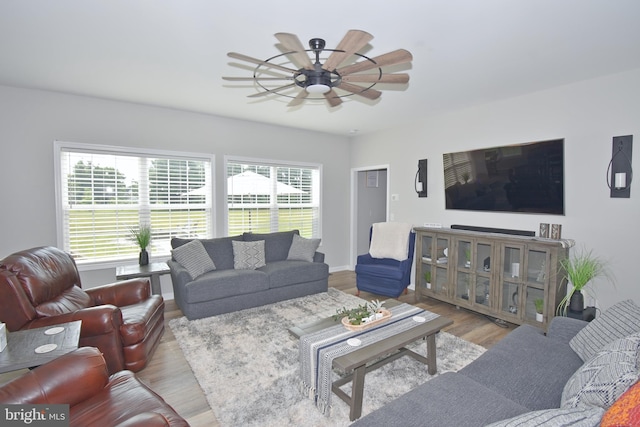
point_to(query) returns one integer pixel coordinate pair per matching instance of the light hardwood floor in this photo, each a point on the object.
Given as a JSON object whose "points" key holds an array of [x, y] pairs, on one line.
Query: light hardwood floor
{"points": [[169, 374]]}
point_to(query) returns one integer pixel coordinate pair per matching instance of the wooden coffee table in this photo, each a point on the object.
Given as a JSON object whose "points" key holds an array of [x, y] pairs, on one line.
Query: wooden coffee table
{"points": [[21, 347], [387, 350]]}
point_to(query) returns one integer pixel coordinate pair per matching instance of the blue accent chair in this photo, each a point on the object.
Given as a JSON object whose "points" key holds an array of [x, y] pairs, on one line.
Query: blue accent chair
{"points": [[385, 276]]}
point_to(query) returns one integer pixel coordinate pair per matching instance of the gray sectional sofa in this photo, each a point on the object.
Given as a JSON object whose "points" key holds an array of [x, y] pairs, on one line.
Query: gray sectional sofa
{"points": [[570, 376], [286, 273]]}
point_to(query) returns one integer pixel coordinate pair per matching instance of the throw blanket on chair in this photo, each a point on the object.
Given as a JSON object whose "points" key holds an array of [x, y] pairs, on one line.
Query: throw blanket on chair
{"points": [[390, 240], [318, 349]]}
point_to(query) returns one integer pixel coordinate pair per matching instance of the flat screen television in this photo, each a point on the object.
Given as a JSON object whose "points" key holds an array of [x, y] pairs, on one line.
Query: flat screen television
{"points": [[523, 178]]}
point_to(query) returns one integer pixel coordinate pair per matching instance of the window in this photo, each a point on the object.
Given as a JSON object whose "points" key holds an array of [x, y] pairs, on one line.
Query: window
{"points": [[264, 197], [104, 192]]}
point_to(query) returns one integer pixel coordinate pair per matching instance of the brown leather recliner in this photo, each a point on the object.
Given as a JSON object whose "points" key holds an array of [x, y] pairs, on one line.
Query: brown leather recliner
{"points": [[80, 380], [41, 287]]}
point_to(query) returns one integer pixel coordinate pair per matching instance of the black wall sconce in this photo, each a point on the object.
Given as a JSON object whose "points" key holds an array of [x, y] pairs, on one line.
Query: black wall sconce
{"points": [[620, 172], [420, 181]]}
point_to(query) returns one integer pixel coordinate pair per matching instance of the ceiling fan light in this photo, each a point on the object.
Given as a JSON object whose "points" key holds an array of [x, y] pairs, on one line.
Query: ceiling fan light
{"points": [[318, 88]]}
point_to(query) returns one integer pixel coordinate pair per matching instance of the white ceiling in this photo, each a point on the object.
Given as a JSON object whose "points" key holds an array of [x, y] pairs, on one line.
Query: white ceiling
{"points": [[173, 53]]}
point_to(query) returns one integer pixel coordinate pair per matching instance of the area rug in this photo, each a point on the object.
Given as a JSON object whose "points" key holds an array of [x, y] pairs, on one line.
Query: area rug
{"points": [[247, 364]]}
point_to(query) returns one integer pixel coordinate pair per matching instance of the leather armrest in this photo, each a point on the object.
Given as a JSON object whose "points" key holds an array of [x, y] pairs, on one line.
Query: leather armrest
{"points": [[69, 379], [100, 320], [146, 419], [120, 294]]}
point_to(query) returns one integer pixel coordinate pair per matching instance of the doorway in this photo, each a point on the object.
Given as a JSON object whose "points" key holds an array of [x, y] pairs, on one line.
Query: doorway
{"points": [[369, 205]]}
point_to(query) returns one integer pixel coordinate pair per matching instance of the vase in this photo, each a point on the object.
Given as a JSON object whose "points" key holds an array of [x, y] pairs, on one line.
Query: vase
{"points": [[143, 259], [576, 303]]}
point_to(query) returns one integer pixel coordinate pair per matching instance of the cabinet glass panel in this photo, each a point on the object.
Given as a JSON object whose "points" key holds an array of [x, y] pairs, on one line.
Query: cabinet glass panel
{"points": [[442, 251], [462, 285], [537, 266], [483, 257], [464, 254], [441, 280], [533, 295], [427, 247], [482, 295], [510, 298], [512, 267]]}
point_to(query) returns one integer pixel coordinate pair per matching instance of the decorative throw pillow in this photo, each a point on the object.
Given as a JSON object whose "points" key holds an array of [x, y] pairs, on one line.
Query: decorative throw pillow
{"points": [[303, 249], [617, 321], [248, 255], [556, 417], [194, 258], [625, 411], [602, 379]]}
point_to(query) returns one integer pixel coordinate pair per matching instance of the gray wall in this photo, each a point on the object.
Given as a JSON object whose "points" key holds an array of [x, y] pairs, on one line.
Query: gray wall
{"points": [[587, 115], [31, 120]]}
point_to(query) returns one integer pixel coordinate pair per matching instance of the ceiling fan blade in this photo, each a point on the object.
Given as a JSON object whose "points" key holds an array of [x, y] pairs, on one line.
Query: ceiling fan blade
{"points": [[298, 99], [246, 79], [259, 62], [269, 92], [377, 78], [332, 98], [399, 56], [352, 42], [298, 53], [358, 90]]}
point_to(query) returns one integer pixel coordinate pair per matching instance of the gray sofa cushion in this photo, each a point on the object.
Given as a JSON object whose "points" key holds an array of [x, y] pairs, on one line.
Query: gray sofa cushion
{"points": [[285, 273], [248, 255], [220, 249], [450, 399], [605, 376], [276, 245], [225, 283], [617, 321], [194, 258], [303, 249], [574, 417], [526, 354]]}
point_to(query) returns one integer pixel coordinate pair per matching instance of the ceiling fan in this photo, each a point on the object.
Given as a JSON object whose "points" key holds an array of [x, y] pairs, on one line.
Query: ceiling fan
{"points": [[317, 78]]}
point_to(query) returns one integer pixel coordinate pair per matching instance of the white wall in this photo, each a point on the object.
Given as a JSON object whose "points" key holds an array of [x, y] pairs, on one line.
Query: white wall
{"points": [[31, 120], [587, 115]]}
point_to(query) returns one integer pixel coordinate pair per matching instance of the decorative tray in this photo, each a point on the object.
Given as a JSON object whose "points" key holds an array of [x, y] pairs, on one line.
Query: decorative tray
{"points": [[386, 315]]}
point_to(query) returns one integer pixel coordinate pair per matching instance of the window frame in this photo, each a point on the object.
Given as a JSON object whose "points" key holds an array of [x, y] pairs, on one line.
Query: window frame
{"points": [[273, 163], [64, 146]]}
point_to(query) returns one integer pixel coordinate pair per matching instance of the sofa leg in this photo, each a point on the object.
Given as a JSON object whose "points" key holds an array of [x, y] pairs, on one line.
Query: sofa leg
{"points": [[358, 292], [406, 291]]}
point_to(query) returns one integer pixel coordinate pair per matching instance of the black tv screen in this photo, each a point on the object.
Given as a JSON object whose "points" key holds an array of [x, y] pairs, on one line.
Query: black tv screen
{"points": [[526, 178]]}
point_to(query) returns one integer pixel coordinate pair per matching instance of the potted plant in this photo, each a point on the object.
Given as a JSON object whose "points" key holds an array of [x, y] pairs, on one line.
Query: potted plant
{"points": [[361, 315], [579, 270], [427, 279], [539, 303], [142, 237]]}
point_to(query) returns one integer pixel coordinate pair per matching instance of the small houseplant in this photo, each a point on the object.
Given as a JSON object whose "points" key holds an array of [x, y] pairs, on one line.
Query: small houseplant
{"points": [[579, 270], [362, 314], [539, 303], [142, 237], [427, 279]]}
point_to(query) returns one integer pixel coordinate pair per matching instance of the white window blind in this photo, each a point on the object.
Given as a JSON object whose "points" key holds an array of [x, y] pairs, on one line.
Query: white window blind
{"points": [[105, 192], [267, 197]]}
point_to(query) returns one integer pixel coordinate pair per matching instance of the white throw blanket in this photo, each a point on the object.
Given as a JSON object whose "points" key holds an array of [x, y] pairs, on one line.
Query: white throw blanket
{"points": [[390, 240]]}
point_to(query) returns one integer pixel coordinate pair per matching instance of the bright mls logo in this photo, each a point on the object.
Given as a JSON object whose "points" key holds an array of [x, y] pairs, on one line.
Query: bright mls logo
{"points": [[34, 415]]}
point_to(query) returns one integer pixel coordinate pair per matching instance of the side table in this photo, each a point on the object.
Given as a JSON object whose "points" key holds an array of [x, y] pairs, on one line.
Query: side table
{"points": [[30, 347], [152, 270]]}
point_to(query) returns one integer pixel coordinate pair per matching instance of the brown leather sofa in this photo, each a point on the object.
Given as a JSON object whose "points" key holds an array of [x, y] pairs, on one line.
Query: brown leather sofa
{"points": [[41, 287], [80, 380]]}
